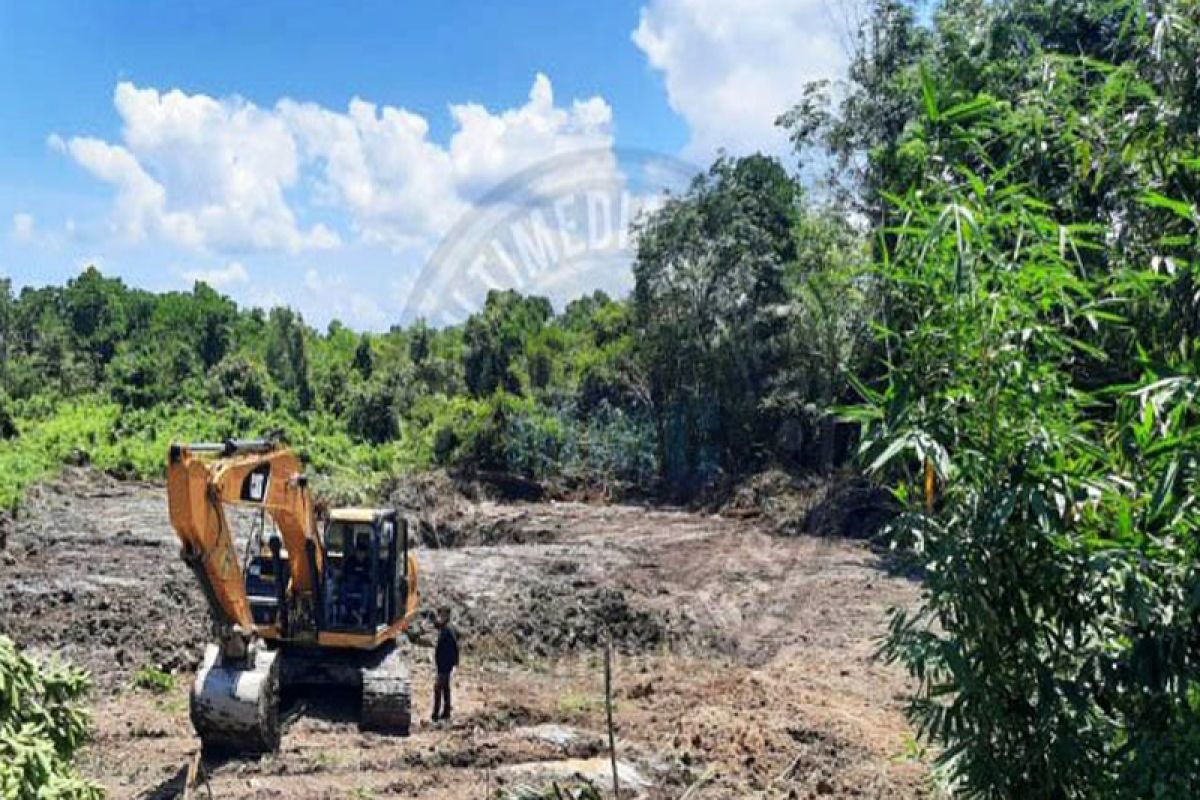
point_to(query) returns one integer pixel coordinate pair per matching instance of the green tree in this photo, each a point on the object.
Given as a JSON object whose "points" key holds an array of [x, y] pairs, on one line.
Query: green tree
{"points": [[371, 413], [287, 355], [827, 341], [364, 359], [708, 290], [860, 134], [495, 340], [243, 380], [96, 312]]}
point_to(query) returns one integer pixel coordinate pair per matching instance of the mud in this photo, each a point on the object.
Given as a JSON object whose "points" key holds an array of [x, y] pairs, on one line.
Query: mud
{"points": [[91, 574], [743, 659]]}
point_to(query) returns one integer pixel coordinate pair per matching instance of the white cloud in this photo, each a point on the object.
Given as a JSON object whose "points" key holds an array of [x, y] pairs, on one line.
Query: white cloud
{"points": [[732, 68], [219, 277], [488, 148], [380, 167], [198, 172], [222, 175], [24, 228], [404, 189]]}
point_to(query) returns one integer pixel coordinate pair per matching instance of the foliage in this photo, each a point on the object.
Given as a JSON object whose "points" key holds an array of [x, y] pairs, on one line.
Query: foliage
{"points": [[1037, 416], [153, 679], [495, 341], [238, 379], [287, 355], [708, 286], [41, 728], [736, 327], [371, 413]]}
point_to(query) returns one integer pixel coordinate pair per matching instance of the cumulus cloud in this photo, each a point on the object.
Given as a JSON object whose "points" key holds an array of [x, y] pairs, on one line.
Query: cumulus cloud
{"points": [[24, 228], [379, 166], [223, 175], [404, 189], [219, 277], [199, 172], [732, 68], [488, 148]]}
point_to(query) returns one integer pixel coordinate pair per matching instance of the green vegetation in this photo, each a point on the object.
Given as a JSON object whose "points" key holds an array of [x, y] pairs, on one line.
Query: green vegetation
{"points": [[41, 728], [629, 394], [1032, 169], [153, 679]]}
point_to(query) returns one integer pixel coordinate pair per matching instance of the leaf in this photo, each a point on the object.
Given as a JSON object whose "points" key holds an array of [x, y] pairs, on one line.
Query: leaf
{"points": [[928, 94], [965, 112], [1179, 208], [1163, 492], [891, 451]]}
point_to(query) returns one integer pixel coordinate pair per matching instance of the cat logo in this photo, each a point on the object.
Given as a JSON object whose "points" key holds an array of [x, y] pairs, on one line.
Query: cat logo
{"points": [[254, 487]]}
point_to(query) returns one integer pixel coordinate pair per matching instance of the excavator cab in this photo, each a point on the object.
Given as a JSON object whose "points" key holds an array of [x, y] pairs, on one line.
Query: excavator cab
{"points": [[366, 582]]}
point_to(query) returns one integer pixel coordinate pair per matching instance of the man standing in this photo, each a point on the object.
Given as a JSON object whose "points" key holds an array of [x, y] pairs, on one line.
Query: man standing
{"points": [[445, 657]]}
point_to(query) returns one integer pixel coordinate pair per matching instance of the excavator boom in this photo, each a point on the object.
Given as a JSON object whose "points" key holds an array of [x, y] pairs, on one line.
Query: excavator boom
{"points": [[202, 479]]}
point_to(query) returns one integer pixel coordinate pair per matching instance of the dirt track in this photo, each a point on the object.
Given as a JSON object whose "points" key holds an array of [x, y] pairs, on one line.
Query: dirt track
{"points": [[744, 660]]}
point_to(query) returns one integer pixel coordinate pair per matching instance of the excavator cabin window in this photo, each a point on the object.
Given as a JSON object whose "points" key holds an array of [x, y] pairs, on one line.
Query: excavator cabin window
{"points": [[362, 560]]}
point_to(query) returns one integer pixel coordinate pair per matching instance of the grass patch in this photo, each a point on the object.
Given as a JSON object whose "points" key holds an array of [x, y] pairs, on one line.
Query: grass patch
{"points": [[153, 679], [575, 705]]}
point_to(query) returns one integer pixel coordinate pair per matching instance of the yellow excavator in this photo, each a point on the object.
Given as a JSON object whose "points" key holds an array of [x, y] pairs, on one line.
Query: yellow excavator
{"points": [[318, 598]]}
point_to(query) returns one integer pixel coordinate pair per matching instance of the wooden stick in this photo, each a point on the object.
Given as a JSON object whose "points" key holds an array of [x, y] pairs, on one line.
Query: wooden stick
{"points": [[189, 778], [612, 739]]}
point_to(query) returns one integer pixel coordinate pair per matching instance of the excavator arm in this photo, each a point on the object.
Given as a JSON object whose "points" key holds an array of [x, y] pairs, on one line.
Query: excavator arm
{"points": [[202, 479]]}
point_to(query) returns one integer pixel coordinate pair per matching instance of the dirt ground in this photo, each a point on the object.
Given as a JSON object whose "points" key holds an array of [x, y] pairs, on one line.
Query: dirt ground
{"points": [[743, 663]]}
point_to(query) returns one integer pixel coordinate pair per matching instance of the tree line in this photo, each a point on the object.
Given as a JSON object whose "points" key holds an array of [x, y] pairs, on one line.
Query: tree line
{"points": [[717, 365]]}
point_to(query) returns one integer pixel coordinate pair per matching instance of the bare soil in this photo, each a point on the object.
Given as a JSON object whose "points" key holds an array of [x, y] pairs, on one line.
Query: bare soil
{"points": [[744, 660]]}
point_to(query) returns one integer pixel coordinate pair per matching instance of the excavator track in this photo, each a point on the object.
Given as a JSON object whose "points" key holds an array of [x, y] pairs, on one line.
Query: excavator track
{"points": [[387, 693], [235, 704]]}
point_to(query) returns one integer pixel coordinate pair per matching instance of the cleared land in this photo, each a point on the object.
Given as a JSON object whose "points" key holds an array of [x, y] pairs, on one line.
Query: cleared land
{"points": [[744, 660]]}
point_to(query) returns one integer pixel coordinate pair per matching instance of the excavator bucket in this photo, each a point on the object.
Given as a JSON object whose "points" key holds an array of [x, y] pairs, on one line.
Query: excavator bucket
{"points": [[235, 703]]}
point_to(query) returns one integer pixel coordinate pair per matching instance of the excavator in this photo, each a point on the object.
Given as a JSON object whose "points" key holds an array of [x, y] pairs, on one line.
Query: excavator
{"points": [[319, 597]]}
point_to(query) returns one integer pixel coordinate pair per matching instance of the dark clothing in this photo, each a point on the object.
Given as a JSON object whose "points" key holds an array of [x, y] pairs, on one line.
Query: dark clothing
{"points": [[441, 696], [355, 592], [446, 654]]}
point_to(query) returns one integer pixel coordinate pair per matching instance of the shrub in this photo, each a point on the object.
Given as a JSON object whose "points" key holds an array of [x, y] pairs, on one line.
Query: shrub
{"points": [[153, 679], [41, 727]]}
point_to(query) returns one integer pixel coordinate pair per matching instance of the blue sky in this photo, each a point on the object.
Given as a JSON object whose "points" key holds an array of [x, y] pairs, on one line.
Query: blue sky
{"points": [[300, 153]]}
